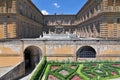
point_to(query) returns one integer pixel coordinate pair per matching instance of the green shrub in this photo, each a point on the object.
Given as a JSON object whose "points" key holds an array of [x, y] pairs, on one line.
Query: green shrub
{"points": [[47, 71], [41, 75], [58, 76], [71, 74], [105, 66], [39, 69]]}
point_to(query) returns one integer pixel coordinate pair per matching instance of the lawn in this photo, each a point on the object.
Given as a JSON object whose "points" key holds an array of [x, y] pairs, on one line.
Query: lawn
{"points": [[78, 71]]}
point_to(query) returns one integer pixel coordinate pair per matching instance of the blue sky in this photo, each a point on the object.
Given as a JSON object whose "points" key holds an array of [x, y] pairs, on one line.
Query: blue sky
{"points": [[59, 6]]}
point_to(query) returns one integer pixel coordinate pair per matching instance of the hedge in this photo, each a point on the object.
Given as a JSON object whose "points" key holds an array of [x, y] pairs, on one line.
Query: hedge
{"points": [[44, 69], [58, 76], [47, 71], [41, 75], [80, 73], [39, 69]]}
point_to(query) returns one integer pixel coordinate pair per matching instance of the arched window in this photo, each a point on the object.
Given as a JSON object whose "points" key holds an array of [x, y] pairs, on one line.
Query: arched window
{"points": [[86, 52]]}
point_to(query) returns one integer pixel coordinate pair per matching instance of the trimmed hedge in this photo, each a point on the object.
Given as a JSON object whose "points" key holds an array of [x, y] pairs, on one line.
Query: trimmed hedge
{"points": [[58, 76], [47, 71], [37, 73], [44, 69], [80, 73], [41, 75]]}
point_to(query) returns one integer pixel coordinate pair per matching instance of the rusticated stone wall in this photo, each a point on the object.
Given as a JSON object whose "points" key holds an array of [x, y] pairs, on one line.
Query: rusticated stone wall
{"points": [[12, 52]]}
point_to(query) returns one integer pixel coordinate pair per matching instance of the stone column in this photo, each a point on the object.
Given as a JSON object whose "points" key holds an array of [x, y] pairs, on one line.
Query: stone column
{"points": [[63, 31], [95, 33], [69, 31], [95, 11], [49, 31], [90, 31], [81, 32], [55, 31], [86, 32]]}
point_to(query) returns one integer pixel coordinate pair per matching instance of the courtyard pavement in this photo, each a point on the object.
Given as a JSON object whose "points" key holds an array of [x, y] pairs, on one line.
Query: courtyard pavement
{"points": [[26, 77], [115, 79]]}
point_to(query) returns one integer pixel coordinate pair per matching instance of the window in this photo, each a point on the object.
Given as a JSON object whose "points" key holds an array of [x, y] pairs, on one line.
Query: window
{"points": [[9, 6], [117, 2], [92, 11], [99, 8], [66, 21], [21, 8], [46, 22], [86, 52], [2, 4], [88, 14], [59, 21], [110, 2], [84, 17], [110, 8], [118, 20], [117, 8], [72, 21]]}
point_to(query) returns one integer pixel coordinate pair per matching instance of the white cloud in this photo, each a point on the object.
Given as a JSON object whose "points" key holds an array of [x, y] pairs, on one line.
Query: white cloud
{"points": [[44, 12], [56, 5]]}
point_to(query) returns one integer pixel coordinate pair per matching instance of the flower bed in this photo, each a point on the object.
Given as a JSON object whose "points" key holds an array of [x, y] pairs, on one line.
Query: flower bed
{"points": [[82, 71], [64, 72], [99, 71], [51, 77], [52, 68], [73, 67], [114, 73], [92, 75], [76, 78], [116, 65]]}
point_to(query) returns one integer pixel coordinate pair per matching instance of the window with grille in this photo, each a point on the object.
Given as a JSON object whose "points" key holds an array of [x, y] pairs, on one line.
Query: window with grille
{"points": [[118, 20], [86, 52]]}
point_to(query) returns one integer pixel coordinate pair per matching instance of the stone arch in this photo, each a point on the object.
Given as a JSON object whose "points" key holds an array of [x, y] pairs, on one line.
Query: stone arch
{"points": [[32, 56], [86, 52]]}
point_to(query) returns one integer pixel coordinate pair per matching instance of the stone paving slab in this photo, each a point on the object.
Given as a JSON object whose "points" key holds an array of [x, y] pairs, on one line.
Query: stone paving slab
{"points": [[115, 79], [26, 77]]}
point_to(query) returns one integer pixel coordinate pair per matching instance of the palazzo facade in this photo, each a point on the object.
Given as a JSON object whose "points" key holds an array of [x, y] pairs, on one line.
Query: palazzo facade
{"points": [[20, 19], [97, 19], [59, 24]]}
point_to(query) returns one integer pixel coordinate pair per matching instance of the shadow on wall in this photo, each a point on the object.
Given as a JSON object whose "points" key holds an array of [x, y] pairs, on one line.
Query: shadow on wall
{"points": [[32, 56]]}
